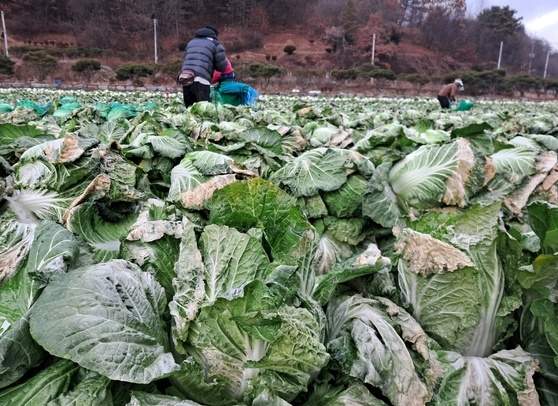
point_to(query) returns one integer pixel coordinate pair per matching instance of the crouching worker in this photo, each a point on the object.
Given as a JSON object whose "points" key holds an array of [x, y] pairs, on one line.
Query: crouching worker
{"points": [[448, 93], [204, 55]]}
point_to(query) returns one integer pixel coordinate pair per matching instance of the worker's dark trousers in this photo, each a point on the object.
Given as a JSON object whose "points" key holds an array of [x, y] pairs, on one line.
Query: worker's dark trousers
{"points": [[444, 102], [195, 92]]}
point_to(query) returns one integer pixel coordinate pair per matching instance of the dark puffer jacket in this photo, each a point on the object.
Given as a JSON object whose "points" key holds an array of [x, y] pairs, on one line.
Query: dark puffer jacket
{"points": [[204, 54]]}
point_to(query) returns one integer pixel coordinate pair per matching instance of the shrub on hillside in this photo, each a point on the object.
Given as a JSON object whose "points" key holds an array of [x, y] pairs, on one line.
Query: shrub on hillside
{"points": [[133, 71], [551, 84], [247, 41], [81, 52], [414, 78], [369, 71], [525, 83], [344, 74], [261, 70], [6, 65], [57, 52], [363, 72], [21, 50], [86, 66], [289, 49], [481, 82], [496, 81], [171, 69], [40, 62], [395, 35]]}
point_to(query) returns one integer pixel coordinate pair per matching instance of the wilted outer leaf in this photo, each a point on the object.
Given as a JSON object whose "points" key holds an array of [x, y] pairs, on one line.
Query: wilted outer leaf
{"points": [[210, 163], [250, 344], [369, 261], [379, 201], [15, 241], [107, 318], [150, 399], [354, 395], [368, 338], [504, 378], [459, 308], [199, 195], [518, 200], [189, 288], [347, 201], [168, 146], [47, 385], [317, 170], [103, 237], [184, 177], [509, 167], [328, 252], [52, 250], [35, 175], [62, 150], [423, 133], [455, 194], [425, 255], [231, 260], [92, 390], [148, 230], [419, 180]]}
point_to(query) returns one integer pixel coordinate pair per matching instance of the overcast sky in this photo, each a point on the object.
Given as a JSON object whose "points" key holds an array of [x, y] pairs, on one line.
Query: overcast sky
{"points": [[539, 16]]}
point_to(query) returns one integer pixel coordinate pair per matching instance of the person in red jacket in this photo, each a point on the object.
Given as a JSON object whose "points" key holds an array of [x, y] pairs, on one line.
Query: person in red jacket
{"points": [[226, 74]]}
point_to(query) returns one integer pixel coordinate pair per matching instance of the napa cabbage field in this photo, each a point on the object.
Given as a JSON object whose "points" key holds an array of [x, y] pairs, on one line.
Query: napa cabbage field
{"points": [[308, 251]]}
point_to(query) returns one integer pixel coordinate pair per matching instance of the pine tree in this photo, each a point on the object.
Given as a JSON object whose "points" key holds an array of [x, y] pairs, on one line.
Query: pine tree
{"points": [[349, 20]]}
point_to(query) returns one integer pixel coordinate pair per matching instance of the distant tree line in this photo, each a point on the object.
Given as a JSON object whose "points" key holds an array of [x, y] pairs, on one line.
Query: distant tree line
{"points": [[440, 25]]}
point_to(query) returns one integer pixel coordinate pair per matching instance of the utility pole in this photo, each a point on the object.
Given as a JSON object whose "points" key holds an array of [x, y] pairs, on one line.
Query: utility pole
{"points": [[4, 34], [500, 54], [546, 65], [531, 57], [373, 57], [156, 54]]}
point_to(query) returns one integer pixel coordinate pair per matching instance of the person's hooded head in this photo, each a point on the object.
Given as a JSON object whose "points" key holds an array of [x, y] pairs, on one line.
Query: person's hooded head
{"points": [[459, 84], [207, 31]]}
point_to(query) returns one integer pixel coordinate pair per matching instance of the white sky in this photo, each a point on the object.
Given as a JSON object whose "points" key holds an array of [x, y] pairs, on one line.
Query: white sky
{"points": [[539, 16]]}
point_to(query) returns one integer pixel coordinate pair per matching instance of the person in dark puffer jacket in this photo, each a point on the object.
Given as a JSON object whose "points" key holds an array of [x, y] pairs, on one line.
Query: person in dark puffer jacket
{"points": [[204, 54]]}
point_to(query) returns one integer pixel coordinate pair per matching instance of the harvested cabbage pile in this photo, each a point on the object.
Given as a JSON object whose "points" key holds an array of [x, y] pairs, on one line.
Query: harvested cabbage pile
{"points": [[309, 251]]}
